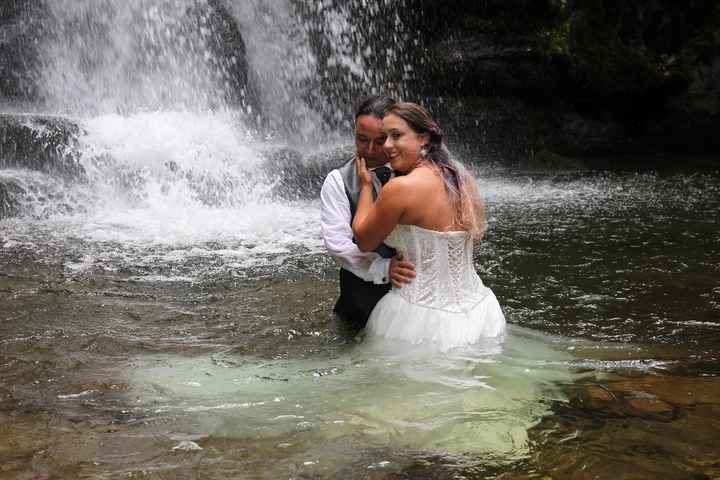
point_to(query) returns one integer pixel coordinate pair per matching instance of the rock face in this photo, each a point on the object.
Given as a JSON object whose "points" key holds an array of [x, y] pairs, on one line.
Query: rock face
{"points": [[19, 20], [609, 76], [301, 177], [9, 205], [227, 44], [43, 143]]}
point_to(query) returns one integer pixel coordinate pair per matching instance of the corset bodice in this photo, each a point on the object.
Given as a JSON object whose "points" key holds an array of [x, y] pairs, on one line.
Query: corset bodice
{"points": [[445, 276]]}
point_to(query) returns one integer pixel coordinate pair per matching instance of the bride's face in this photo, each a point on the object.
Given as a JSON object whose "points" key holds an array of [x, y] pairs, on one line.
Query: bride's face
{"points": [[402, 144]]}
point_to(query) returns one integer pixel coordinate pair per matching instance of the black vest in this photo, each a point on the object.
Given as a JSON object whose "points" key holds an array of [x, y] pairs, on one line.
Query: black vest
{"points": [[358, 297], [352, 189]]}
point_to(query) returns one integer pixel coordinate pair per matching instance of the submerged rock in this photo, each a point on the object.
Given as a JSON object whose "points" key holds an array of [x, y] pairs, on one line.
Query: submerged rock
{"points": [[653, 397], [675, 390], [187, 446]]}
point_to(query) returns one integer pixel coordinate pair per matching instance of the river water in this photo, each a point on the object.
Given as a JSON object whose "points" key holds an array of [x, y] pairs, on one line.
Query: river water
{"points": [[169, 316], [166, 313]]}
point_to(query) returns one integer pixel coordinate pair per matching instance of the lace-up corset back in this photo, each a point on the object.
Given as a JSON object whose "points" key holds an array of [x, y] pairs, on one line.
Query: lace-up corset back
{"points": [[445, 275]]}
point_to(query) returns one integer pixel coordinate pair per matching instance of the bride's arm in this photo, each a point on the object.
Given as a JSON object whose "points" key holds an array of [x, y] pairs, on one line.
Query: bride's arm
{"points": [[373, 222]]}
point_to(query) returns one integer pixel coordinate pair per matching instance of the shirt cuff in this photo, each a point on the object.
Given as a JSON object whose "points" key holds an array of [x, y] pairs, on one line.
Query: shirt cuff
{"points": [[380, 271]]}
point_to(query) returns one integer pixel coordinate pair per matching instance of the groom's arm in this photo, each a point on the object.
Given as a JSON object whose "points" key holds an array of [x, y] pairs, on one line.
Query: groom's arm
{"points": [[337, 234]]}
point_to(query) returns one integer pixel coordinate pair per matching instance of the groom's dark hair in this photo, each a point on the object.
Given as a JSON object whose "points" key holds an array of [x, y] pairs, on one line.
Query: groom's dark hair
{"points": [[375, 105]]}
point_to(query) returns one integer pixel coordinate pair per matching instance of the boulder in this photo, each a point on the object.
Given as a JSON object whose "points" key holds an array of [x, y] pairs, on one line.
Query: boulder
{"points": [[297, 176], [44, 143], [228, 47], [9, 205]]}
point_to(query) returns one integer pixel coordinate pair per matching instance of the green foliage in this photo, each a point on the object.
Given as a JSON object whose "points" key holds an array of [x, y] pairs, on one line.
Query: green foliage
{"points": [[553, 41], [506, 21]]}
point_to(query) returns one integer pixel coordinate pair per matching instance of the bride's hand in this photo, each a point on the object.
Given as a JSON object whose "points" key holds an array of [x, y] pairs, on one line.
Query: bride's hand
{"points": [[363, 172]]}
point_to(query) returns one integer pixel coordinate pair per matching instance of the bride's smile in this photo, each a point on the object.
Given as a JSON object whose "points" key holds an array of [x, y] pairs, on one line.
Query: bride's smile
{"points": [[402, 144]]}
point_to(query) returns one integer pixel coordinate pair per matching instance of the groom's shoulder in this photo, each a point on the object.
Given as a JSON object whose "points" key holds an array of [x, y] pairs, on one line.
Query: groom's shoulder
{"points": [[341, 166], [347, 162], [335, 178]]}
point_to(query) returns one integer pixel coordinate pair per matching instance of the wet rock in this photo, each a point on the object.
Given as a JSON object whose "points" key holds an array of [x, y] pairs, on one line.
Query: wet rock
{"points": [[605, 401], [640, 446], [483, 130], [655, 397], [19, 23], [479, 66], [678, 391], [301, 177], [45, 143], [228, 46], [600, 394], [588, 137], [9, 192], [649, 405], [187, 446]]}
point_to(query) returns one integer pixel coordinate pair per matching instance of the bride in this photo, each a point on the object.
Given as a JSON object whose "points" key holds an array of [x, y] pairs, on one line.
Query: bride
{"points": [[431, 215]]}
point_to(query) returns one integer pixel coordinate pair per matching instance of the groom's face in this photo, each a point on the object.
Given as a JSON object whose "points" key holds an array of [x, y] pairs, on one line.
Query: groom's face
{"points": [[369, 140]]}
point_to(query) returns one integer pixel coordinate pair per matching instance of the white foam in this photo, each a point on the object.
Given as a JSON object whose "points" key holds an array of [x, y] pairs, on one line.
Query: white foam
{"points": [[163, 188], [148, 140]]}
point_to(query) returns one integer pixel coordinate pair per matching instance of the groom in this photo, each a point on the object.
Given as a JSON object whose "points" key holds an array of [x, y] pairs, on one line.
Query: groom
{"points": [[364, 276]]}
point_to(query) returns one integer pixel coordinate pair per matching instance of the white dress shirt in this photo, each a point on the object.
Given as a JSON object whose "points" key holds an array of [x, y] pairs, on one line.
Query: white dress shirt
{"points": [[335, 218]]}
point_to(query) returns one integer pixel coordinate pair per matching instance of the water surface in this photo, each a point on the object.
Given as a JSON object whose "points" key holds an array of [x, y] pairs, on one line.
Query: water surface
{"points": [[148, 331]]}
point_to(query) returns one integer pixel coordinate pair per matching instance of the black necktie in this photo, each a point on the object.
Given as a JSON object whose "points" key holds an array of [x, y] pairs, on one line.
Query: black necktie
{"points": [[383, 174]]}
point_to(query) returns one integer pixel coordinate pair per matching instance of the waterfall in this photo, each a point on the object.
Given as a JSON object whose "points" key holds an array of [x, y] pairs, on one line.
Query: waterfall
{"points": [[110, 56], [312, 60], [195, 118], [306, 64]]}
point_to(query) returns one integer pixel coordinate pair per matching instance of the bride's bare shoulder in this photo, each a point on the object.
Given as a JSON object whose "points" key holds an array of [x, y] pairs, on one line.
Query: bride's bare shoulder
{"points": [[408, 188]]}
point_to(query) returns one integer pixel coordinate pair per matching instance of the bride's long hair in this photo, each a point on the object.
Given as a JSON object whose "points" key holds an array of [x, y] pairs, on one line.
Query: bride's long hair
{"points": [[468, 207]]}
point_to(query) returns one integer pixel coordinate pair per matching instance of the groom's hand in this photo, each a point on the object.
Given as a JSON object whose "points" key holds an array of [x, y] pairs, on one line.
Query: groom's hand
{"points": [[401, 271]]}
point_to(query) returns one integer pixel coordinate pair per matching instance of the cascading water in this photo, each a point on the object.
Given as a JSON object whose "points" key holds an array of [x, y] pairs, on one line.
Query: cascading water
{"points": [[107, 56], [313, 60], [164, 97], [308, 62], [178, 118]]}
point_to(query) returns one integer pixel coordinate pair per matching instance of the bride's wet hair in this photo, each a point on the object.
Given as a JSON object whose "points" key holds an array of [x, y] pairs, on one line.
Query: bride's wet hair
{"points": [[461, 186]]}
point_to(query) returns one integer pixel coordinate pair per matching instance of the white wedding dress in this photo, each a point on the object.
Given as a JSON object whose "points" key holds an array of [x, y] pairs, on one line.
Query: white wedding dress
{"points": [[446, 305]]}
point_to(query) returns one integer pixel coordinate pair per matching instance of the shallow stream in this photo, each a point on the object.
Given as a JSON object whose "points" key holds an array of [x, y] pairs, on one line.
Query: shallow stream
{"points": [[149, 329]]}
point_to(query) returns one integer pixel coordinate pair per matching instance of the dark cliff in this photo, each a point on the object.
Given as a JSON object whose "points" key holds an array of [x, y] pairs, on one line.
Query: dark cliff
{"points": [[587, 78]]}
